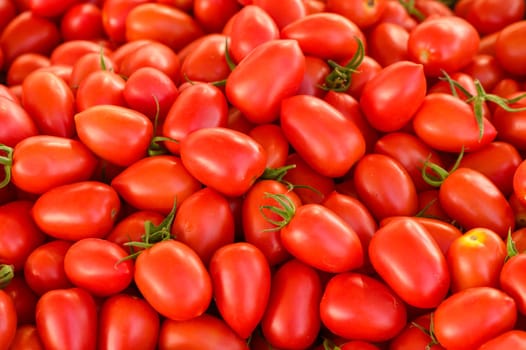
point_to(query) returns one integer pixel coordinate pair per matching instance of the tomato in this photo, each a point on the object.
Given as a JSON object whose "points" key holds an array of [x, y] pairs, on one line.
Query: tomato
{"points": [[24, 299], [50, 102], [131, 228], [79, 210], [295, 295], [467, 319], [68, 52], [197, 106], [412, 337], [508, 48], [42, 162], [17, 124], [147, 87], [188, 334], [422, 285], [165, 24], [387, 43], [173, 280], [114, 14], [511, 280], [273, 140], [8, 11], [154, 183], [316, 72], [82, 21], [241, 277], [514, 339], [443, 43], [26, 337], [456, 129], [88, 91], [50, 8], [28, 32], [251, 26], [332, 145], [23, 65], [8, 325], [150, 54], [259, 82], [192, 223], [123, 311], [223, 159], [366, 70], [325, 35], [384, 105], [55, 311], [472, 200], [391, 192], [207, 61], [394, 12], [44, 267], [212, 15], [117, 134], [285, 12], [16, 217], [363, 13], [88, 63], [487, 16], [486, 69], [509, 125], [357, 306]]}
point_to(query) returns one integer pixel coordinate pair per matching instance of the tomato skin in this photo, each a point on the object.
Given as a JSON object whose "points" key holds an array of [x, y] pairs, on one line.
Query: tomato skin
{"points": [[79, 210], [325, 35], [511, 280], [43, 162], [56, 309], [486, 69], [44, 267], [23, 65], [188, 334], [162, 23], [154, 183], [273, 140], [456, 128], [50, 102], [320, 238], [368, 69], [467, 319], [241, 282], [131, 227], [472, 200], [487, 16], [295, 294], [285, 12], [508, 48], [332, 145], [387, 43], [114, 14], [412, 337], [87, 93], [357, 306], [82, 21], [364, 14], [192, 223], [26, 337], [16, 217], [24, 299], [379, 193], [444, 42], [150, 54], [423, 285], [197, 106], [17, 124], [170, 270], [514, 339], [50, 8], [384, 105], [258, 92], [212, 15], [8, 325], [123, 311], [223, 159]]}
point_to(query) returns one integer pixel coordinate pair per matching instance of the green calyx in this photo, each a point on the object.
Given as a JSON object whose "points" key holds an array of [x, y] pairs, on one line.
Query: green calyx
{"points": [[7, 162], [285, 210], [340, 78], [440, 173], [7, 272]]}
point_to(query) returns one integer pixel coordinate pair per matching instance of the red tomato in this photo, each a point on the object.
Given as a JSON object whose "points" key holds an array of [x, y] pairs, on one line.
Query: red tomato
{"points": [[273, 140], [386, 107], [486, 69], [42, 162], [88, 91], [241, 282], [509, 47], [206, 62], [50, 8], [443, 43], [332, 145], [321, 238], [487, 16], [17, 124], [78, 210], [316, 71], [512, 282], [260, 81], [162, 23], [387, 43], [44, 267], [509, 125], [212, 15], [366, 70], [473, 201], [28, 32], [469, 318], [8, 11], [188, 335], [394, 12], [192, 223], [117, 134], [114, 15], [197, 106], [155, 183], [88, 63], [96, 265], [50, 102], [24, 299], [223, 159], [131, 228], [514, 339], [357, 306], [391, 192], [122, 311], [283, 12], [251, 26], [26, 337], [393, 251], [295, 295], [16, 217], [363, 13], [173, 280], [23, 65], [457, 127], [8, 325], [413, 337], [325, 35], [82, 22], [68, 52], [55, 311]]}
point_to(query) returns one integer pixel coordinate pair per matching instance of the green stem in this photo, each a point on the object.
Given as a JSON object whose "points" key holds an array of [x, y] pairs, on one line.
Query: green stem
{"points": [[7, 162], [340, 78], [410, 8], [7, 272], [511, 248], [285, 210], [442, 173]]}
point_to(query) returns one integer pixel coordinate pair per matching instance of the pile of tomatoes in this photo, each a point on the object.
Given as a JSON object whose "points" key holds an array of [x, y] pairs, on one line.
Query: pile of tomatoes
{"points": [[261, 174]]}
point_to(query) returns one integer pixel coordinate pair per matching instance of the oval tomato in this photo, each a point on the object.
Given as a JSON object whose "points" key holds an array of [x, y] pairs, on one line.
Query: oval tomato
{"points": [[387, 43], [149, 54], [363, 14], [88, 91], [8, 325], [17, 124], [132, 227], [514, 339], [509, 49], [413, 337], [512, 282], [212, 15], [284, 12], [27, 337], [273, 140], [23, 65], [82, 21], [24, 299]]}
